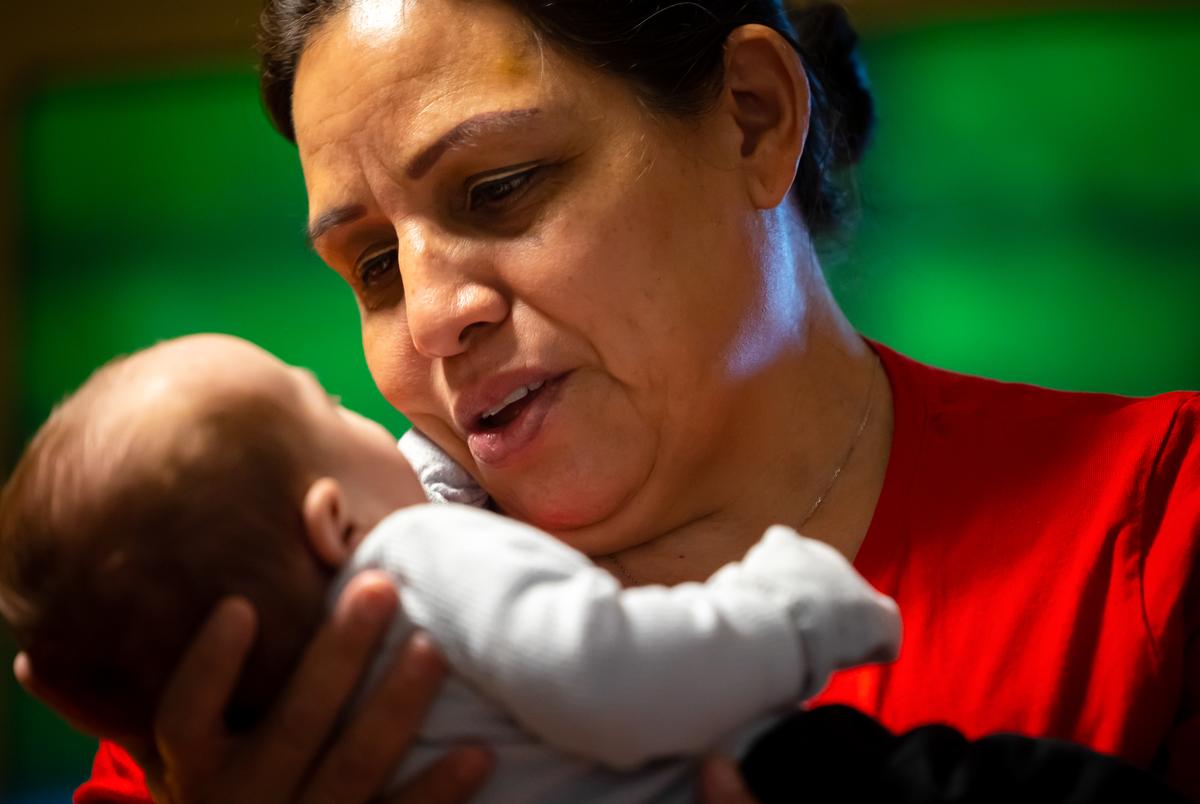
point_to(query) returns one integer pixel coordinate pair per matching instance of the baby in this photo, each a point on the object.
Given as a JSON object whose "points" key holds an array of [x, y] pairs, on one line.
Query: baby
{"points": [[204, 467]]}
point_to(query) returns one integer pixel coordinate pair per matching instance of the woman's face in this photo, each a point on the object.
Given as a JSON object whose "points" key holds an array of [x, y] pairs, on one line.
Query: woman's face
{"points": [[518, 228]]}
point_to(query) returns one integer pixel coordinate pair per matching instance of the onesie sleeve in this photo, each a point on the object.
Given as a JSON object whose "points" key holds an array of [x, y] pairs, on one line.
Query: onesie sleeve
{"points": [[1171, 586], [617, 676], [840, 620]]}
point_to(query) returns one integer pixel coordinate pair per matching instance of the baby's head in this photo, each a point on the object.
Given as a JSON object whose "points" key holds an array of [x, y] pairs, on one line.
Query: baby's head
{"points": [[199, 468]]}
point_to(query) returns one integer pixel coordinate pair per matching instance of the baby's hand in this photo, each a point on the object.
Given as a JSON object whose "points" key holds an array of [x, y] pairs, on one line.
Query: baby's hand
{"points": [[721, 783]]}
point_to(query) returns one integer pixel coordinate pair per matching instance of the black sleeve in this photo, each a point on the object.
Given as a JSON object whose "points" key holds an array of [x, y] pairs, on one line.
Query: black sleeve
{"points": [[837, 754]]}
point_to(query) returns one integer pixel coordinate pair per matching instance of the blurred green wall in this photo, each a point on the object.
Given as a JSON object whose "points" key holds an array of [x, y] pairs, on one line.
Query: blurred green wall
{"points": [[1032, 205], [1031, 212]]}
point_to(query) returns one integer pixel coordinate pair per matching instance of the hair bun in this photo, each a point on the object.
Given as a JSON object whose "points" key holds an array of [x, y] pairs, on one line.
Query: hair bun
{"points": [[829, 45]]}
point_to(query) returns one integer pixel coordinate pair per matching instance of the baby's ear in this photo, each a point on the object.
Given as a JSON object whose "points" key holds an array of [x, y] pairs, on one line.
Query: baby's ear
{"points": [[327, 520]]}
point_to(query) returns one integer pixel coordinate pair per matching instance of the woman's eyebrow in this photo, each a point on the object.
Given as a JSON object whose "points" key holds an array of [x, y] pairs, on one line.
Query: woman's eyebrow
{"points": [[470, 129], [333, 218]]}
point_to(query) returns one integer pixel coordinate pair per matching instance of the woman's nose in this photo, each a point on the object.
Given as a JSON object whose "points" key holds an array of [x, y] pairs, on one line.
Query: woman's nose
{"points": [[448, 297]]}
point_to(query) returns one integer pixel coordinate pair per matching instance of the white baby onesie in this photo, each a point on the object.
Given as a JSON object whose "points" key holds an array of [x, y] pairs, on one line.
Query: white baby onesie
{"points": [[587, 692]]}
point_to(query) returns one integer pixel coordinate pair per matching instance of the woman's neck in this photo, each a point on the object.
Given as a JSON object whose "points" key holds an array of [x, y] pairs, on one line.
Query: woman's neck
{"points": [[812, 455]]}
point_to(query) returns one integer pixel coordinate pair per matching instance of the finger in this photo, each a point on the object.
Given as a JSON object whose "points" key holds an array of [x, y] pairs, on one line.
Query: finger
{"points": [[357, 767], [305, 716], [190, 718], [721, 783], [453, 779]]}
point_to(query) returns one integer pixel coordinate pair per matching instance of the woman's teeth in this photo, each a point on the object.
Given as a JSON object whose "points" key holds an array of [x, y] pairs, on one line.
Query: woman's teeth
{"points": [[515, 396]]}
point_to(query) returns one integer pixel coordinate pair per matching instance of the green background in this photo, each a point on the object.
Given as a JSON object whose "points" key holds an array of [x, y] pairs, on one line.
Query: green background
{"points": [[1031, 211]]}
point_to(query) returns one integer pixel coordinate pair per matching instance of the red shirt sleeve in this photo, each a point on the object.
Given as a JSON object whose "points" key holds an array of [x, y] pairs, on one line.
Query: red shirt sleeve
{"points": [[1171, 586], [116, 779]]}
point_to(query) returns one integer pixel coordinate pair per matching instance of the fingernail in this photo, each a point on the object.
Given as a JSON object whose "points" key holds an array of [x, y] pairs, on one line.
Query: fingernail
{"points": [[235, 617], [21, 668], [724, 777], [470, 765], [421, 655], [373, 604]]}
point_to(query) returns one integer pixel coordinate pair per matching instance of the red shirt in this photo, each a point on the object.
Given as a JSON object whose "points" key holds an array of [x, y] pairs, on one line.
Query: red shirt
{"points": [[1043, 547]]}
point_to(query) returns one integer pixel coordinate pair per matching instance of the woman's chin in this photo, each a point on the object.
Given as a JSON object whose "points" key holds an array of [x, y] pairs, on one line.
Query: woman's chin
{"points": [[559, 514], [576, 514]]}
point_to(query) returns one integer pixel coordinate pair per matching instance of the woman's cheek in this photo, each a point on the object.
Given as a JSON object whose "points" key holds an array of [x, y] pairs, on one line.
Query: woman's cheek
{"points": [[399, 372]]}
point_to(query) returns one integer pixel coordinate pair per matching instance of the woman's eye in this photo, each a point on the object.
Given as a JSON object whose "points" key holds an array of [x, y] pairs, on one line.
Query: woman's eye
{"points": [[378, 269], [495, 192]]}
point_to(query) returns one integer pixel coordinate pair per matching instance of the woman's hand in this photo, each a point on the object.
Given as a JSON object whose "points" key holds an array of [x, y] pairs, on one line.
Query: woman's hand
{"points": [[721, 783], [290, 757]]}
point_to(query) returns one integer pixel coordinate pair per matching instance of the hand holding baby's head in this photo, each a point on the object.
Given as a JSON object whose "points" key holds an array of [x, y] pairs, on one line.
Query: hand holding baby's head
{"points": [[195, 470]]}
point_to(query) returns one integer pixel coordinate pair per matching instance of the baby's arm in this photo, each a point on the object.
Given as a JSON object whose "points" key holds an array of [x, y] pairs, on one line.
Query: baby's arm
{"points": [[624, 676]]}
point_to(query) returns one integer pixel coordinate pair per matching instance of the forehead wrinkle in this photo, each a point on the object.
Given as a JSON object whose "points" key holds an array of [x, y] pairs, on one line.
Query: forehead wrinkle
{"points": [[336, 124], [444, 77], [362, 88], [351, 102]]}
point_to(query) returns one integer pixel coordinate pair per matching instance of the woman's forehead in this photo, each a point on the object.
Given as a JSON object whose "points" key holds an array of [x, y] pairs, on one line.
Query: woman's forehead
{"points": [[411, 66], [377, 23], [467, 74]]}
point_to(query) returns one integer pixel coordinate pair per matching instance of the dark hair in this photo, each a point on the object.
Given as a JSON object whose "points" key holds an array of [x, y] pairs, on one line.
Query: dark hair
{"points": [[672, 53], [114, 548]]}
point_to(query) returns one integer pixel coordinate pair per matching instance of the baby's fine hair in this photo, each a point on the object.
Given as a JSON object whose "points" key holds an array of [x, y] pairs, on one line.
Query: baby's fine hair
{"points": [[117, 539]]}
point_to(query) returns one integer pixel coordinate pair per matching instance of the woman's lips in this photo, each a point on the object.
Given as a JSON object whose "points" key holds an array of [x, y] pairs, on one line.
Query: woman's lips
{"points": [[497, 446]]}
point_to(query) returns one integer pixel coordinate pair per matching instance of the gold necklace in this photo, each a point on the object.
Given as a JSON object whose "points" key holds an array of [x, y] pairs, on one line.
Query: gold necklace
{"points": [[627, 576]]}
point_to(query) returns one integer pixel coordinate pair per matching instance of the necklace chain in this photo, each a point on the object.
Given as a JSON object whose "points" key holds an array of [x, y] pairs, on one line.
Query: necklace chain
{"points": [[623, 571]]}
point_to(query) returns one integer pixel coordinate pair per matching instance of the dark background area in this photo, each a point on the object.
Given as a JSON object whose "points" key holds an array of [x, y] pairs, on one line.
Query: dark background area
{"points": [[1031, 211]]}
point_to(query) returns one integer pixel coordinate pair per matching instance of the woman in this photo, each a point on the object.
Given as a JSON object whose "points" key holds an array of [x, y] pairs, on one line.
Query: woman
{"points": [[581, 238]]}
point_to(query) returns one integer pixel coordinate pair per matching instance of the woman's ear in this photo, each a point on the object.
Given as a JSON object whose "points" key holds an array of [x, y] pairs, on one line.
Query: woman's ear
{"points": [[331, 533], [766, 94]]}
